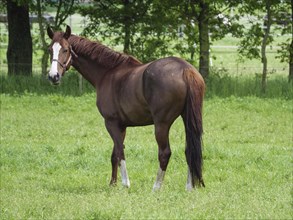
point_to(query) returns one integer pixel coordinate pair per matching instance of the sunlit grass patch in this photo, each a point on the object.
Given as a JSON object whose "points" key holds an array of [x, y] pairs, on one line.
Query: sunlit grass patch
{"points": [[55, 162]]}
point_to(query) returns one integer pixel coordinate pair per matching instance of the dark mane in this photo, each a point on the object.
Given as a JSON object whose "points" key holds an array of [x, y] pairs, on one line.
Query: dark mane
{"points": [[99, 52]]}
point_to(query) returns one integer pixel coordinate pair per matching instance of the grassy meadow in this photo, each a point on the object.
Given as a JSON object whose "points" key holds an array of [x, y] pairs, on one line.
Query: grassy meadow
{"points": [[55, 151], [55, 162]]}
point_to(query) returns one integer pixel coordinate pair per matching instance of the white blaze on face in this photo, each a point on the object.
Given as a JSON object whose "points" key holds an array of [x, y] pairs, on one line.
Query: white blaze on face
{"points": [[56, 49]]}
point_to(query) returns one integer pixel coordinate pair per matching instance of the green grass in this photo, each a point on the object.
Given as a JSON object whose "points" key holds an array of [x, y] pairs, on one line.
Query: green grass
{"points": [[55, 162], [41, 85], [221, 84]]}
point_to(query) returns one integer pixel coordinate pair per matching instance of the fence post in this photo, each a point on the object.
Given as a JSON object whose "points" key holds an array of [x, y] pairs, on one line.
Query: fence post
{"points": [[80, 84]]}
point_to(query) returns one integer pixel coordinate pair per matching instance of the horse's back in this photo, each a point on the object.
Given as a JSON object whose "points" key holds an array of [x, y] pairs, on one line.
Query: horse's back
{"points": [[164, 87], [168, 65], [166, 73]]}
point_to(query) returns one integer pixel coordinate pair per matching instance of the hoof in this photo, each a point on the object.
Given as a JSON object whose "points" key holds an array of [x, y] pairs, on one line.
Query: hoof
{"points": [[126, 184], [113, 183], [189, 187]]}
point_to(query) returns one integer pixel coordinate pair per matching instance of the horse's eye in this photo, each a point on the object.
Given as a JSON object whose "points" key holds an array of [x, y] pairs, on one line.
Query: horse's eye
{"points": [[65, 51]]}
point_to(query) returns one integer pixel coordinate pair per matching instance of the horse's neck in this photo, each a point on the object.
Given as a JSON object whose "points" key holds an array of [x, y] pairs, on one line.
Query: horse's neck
{"points": [[94, 60], [88, 69]]}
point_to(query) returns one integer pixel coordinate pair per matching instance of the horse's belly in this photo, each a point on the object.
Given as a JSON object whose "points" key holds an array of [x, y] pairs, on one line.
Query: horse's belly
{"points": [[136, 115], [134, 110]]}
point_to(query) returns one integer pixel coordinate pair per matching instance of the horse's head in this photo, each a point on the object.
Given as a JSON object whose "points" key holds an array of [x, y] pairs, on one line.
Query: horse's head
{"points": [[61, 54]]}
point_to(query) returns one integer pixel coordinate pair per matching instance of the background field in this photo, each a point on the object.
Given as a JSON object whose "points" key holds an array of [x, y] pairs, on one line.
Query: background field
{"points": [[55, 162], [55, 151]]}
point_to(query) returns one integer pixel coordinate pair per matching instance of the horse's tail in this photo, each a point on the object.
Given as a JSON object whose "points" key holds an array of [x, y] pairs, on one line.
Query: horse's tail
{"points": [[192, 117]]}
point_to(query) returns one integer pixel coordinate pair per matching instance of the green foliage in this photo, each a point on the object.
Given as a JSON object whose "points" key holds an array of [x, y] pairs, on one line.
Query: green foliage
{"points": [[147, 29], [284, 23], [63, 10], [284, 52], [249, 45], [144, 28], [55, 162], [151, 49], [253, 36]]}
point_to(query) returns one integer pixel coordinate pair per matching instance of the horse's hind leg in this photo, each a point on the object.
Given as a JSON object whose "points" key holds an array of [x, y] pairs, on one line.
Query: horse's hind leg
{"points": [[118, 159], [162, 137]]}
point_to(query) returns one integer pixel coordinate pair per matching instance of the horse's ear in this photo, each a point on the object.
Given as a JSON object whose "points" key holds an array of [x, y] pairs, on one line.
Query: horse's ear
{"points": [[50, 32], [67, 32]]}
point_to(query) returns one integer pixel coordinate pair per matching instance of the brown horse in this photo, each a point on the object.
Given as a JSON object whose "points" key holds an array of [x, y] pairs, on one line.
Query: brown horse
{"points": [[130, 93]]}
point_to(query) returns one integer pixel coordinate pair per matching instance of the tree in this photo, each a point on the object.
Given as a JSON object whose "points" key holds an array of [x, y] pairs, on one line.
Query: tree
{"points": [[260, 32], [291, 48], [198, 12], [265, 39], [206, 21], [204, 40], [284, 24], [149, 28], [158, 30], [115, 19], [44, 45], [144, 27], [19, 52]]}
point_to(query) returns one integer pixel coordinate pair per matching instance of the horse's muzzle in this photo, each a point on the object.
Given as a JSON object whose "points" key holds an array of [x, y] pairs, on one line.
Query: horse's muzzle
{"points": [[55, 79]]}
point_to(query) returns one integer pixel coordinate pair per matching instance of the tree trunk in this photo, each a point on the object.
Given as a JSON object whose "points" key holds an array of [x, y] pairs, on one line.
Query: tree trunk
{"points": [[192, 52], [126, 38], [45, 55], [267, 26], [291, 61], [291, 48], [19, 52], [204, 43], [63, 10], [127, 33]]}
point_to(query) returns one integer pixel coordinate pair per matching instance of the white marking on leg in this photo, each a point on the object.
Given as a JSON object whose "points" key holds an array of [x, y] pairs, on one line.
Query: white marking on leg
{"points": [[56, 49], [159, 180], [189, 181], [124, 175]]}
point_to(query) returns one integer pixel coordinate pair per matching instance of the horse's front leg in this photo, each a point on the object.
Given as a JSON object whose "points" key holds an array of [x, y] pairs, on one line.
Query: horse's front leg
{"points": [[118, 159]]}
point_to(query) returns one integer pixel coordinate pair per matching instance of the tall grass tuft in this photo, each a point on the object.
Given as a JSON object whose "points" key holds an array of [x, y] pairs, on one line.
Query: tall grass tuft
{"points": [[39, 84], [219, 84]]}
